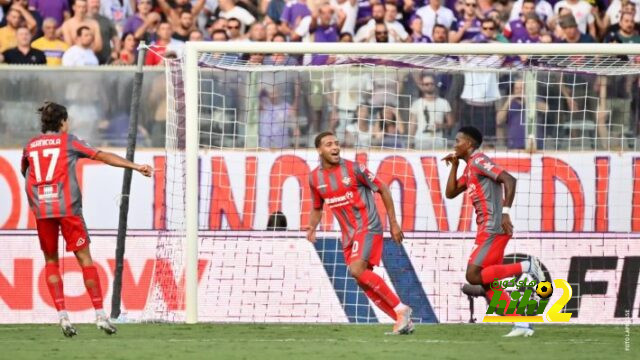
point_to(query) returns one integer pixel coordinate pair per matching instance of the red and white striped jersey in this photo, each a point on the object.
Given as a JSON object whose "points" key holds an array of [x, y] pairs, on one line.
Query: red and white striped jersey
{"points": [[481, 179], [348, 189], [49, 166]]}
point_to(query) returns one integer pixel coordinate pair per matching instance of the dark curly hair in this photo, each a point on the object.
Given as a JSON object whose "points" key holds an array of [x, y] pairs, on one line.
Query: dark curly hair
{"points": [[51, 116]]}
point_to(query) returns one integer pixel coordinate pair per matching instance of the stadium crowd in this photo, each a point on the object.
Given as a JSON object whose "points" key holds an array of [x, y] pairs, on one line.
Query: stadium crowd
{"points": [[88, 32], [92, 32]]}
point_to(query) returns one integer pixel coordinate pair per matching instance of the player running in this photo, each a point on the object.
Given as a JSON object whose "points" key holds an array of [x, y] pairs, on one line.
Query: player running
{"points": [[347, 188], [49, 166], [483, 180]]}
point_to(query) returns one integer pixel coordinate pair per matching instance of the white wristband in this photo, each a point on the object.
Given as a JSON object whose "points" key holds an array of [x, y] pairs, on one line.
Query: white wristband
{"points": [[505, 210]]}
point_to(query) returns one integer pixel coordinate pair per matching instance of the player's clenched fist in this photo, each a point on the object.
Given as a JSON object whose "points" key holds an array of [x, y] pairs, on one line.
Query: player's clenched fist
{"points": [[311, 235], [145, 170], [396, 233]]}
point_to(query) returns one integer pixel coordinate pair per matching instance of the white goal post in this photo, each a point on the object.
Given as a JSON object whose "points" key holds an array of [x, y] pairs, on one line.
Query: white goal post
{"points": [[191, 86]]}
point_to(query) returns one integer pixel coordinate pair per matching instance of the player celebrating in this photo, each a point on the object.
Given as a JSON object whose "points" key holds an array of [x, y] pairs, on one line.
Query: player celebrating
{"points": [[48, 164], [347, 188], [483, 180]]}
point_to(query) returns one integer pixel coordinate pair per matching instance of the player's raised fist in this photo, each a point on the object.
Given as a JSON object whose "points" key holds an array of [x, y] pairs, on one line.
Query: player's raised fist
{"points": [[145, 170]]}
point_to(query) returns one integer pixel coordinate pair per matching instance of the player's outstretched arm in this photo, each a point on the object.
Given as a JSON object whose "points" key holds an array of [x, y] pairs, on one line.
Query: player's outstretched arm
{"points": [[314, 220], [118, 161], [394, 227], [453, 187], [510, 193]]}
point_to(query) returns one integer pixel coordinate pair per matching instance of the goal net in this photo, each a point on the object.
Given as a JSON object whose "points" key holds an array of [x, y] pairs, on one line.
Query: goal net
{"points": [[239, 148]]}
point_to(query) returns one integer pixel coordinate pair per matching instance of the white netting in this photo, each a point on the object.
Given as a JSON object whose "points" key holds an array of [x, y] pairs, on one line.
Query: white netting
{"points": [[399, 115]]}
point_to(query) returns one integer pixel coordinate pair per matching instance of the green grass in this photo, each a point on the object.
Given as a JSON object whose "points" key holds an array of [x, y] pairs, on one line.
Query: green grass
{"points": [[331, 342]]}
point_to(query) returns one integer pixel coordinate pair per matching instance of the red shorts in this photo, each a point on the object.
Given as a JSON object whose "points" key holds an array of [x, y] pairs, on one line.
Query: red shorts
{"points": [[365, 246], [73, 229], [489, 249]]}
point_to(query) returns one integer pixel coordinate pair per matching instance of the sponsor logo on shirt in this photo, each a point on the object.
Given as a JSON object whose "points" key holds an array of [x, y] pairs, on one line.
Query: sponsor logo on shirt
{"points": [[48, 193], [337, 201]]}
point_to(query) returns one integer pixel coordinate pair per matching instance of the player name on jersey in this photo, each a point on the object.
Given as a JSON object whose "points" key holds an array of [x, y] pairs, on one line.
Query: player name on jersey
{"points": [[45, 142]]}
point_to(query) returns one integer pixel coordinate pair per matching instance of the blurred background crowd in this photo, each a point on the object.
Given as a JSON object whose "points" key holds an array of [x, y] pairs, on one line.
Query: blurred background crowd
{"points": [[404, 108], [89, 32]]}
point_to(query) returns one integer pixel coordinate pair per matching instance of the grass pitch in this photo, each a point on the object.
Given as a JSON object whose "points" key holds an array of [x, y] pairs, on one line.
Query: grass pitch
{"points": [[362, 342]]}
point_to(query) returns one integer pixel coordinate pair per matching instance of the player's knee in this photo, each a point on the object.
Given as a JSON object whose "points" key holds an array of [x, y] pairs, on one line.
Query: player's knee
{"points": [[473, 277], [356, 269], [53, 279], [84, 257], [90, 283]]}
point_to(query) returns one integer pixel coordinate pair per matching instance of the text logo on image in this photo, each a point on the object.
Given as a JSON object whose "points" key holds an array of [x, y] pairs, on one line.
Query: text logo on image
{"points": [[523, 308]]}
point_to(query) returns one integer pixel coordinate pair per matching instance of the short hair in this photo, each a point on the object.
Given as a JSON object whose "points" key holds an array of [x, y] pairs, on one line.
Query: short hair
{"points": [[489, 20], [438, 26], [23, 27], [473, 133], [234, 19], [627, 13], [429, 75], [529, 1], [346, 33], [322, 135], [50, 20], [51, 116], [80, 29], [277, 221], [279, 34]]}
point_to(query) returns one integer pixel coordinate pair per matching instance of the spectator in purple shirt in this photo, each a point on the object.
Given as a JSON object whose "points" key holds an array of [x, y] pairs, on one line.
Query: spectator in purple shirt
{"points": [[513, 115], [534, 25], [468, 25], [416, 31], [57, 9], [365, 11], [488, 32], [324, 30], [142, 21], [515, 29], [291, 18]]}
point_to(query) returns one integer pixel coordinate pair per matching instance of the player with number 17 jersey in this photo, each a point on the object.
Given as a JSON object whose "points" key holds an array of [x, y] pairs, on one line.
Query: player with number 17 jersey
{"points": [[49, 167], [49, 162]]}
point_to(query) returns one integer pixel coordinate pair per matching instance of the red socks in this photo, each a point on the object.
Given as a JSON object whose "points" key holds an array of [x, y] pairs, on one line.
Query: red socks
{"points": [[92, 283], [378, 301], [378, 291], [490, 273], [54, 284]]}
